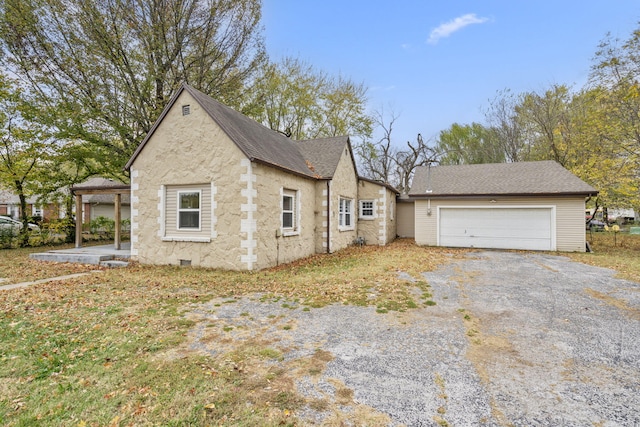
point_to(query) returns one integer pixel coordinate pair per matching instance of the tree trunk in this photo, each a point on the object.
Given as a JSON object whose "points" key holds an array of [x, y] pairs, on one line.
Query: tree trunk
{"points": [[23, 237]]}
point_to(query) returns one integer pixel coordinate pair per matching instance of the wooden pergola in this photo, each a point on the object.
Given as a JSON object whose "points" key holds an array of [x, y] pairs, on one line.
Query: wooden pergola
{"points": [[117, 190]]}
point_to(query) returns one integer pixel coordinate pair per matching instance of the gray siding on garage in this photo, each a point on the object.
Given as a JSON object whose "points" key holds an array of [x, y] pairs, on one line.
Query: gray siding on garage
{"points": [[406, 224], [570, 233]]}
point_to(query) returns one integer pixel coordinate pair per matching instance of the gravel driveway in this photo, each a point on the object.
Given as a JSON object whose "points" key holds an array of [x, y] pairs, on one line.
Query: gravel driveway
{"points": [[515, 339]]}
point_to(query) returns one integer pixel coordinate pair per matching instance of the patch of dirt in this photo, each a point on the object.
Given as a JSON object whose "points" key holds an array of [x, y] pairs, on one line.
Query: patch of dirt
{"points": [[620, 304]]}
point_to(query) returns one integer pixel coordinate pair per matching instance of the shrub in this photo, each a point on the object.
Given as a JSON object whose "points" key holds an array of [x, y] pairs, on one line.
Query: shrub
{"points": [[103, 226], [7, 238]]}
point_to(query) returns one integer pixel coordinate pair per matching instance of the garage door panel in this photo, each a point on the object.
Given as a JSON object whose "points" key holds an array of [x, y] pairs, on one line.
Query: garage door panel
{"points": [[501, 228], [496, 243]]}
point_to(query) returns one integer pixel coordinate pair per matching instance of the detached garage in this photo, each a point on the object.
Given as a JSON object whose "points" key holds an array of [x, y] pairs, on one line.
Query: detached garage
{"points": [[526, 205]]}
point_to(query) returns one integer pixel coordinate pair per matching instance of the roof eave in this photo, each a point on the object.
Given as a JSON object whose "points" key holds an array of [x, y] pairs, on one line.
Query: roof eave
{"points": [[382, 183], [112, 189], [285, 169], [480, 195]]}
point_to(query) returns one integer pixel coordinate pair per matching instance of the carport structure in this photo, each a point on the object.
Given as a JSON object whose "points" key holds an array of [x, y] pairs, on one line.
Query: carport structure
{"points": [[523, 205], [117, 190]]}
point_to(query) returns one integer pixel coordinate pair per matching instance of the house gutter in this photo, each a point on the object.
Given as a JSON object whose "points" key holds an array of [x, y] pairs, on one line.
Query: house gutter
{"points": [[477, 195]]}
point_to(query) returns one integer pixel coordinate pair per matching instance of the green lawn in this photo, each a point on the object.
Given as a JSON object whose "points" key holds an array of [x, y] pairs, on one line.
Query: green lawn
{"points": [[92, 351]]}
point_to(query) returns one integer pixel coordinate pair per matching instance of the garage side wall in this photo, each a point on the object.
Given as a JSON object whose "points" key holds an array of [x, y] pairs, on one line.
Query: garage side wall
{"points": [[569, 214], [406, 219]]}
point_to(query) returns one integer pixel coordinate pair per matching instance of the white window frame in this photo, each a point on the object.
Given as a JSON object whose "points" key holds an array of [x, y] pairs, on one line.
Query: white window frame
{"points": [[362, 209], [199, 210], [345, 212], [294, 211]]}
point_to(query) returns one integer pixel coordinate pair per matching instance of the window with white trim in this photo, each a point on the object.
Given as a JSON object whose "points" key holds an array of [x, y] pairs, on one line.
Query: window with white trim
{"points": [[189, 212], [345, 217], [289, 211], [366, 209]]}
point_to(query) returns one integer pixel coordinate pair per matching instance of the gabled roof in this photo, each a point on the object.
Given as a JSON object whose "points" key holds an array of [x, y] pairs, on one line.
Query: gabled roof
{"points": [[323, 154], [517, 179], [256, 141]]}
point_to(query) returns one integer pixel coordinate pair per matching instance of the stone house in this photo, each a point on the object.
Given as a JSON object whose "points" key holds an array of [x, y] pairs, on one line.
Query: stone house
{"points": [[213, 188]]}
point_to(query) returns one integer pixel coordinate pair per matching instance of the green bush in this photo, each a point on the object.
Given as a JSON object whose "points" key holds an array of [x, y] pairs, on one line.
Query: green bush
{"points": [[103, 226], [7, 238]]}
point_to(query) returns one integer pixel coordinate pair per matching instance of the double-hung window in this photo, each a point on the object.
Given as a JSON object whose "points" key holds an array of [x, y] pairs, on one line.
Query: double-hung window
{"points": [[366, 209], [189, 212], [288, 210], [345, 218]]}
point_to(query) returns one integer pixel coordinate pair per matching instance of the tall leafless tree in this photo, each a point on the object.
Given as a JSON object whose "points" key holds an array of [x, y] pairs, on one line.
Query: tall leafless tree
{"points": [[384, 161]]}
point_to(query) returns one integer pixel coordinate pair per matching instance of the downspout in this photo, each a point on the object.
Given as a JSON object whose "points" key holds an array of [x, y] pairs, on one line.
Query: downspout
{"points": [[328, 217]]}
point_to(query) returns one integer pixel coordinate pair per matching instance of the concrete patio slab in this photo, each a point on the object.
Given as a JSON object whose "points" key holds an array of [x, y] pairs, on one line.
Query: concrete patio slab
{"points": [[86, 255]]}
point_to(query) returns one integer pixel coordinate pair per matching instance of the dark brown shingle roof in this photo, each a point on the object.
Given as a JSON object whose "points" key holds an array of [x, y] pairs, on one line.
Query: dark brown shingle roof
{"points": [[256, 141], [323, 154], [521, 178], [262, 144]]}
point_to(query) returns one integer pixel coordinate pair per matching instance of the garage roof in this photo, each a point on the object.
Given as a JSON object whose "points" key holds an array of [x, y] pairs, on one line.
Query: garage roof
{"points": [[544, 178]]}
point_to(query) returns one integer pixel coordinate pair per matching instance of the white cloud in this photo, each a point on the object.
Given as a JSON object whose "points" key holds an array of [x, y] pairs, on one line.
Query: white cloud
{"points": [[382, 88], [448, 28]]}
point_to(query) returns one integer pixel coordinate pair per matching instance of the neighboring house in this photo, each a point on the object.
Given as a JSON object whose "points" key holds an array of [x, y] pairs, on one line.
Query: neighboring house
{"points": [[102, 205], [10, 206], [526, 205], [213, 188]]}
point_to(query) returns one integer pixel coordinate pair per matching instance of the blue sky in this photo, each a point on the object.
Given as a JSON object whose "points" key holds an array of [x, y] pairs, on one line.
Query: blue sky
{"points": [[435, 63]]}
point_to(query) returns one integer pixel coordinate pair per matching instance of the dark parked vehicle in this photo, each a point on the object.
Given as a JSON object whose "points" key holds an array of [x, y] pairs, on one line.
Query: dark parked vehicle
{"points": [[595, 225]]}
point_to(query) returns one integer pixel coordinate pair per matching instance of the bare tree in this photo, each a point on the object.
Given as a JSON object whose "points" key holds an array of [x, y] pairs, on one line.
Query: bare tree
{"points": [[415, 155], [377, 158], [384, 161]]}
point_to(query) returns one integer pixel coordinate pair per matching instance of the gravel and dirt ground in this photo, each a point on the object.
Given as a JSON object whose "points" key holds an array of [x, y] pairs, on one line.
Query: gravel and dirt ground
{"points": [[516, 339]]}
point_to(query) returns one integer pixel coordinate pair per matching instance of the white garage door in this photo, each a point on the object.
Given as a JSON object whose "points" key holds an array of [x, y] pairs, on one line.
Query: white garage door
{"points": [[500, 228]]}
